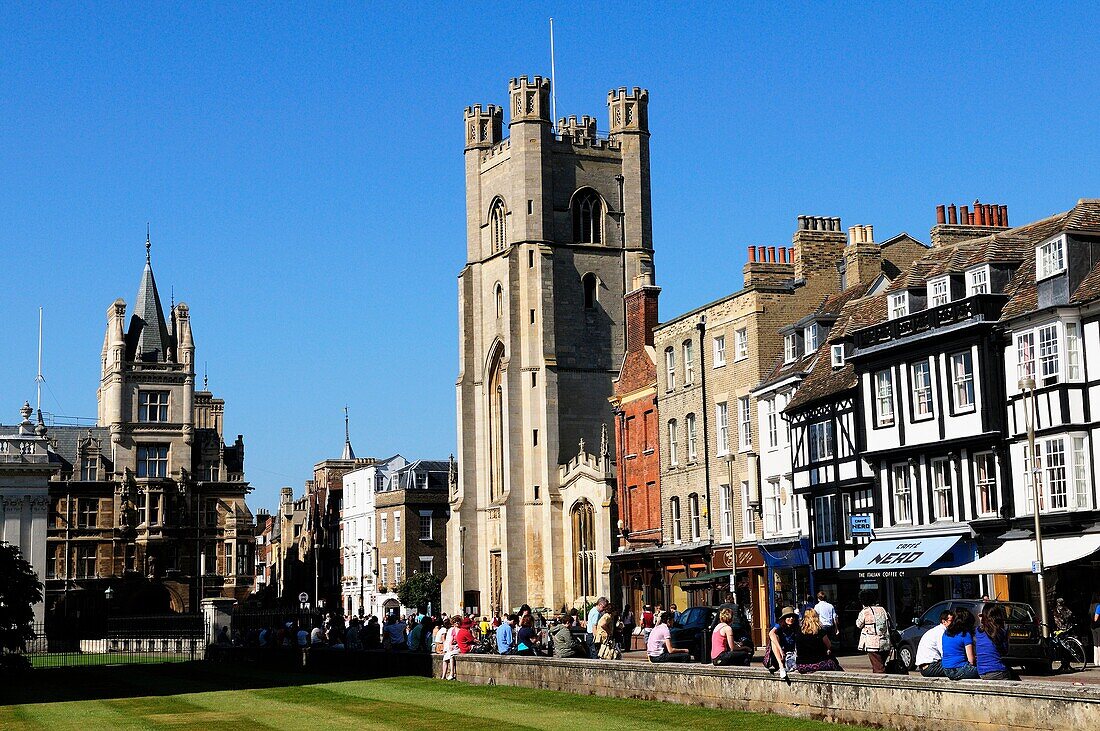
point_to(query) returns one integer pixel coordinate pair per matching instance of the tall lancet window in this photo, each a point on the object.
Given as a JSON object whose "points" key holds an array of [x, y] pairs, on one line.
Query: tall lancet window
{"points": [[498, 227], [587, 217], [584, 550], [496, 426]]}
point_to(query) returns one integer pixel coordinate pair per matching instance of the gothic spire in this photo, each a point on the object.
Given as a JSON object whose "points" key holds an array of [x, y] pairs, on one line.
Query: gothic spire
{"points": [[349, 453], [147, 323]]}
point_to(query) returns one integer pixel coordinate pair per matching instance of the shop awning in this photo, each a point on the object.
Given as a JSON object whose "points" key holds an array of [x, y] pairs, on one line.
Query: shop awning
{"points": [[900, 557], [704, 579], [1015, 557]]}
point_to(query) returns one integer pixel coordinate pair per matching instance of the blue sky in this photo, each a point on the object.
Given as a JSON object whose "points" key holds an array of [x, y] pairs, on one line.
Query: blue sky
{"points": [[301, 167]]}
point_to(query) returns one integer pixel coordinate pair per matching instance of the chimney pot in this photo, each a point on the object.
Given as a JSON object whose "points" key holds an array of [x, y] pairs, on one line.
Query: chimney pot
{"points": [[964, 216], [771, 254], [941, 214], [952, 214], [801, 223], [790, 255], [870, 231], [752, 253], [1004, 215], [782, 255], [853, 234]]}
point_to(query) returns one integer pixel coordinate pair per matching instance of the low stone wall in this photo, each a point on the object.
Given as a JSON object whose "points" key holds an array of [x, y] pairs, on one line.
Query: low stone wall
{"points": [[885, 701]]}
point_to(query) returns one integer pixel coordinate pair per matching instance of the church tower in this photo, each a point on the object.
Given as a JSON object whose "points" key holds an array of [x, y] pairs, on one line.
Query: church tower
{"points": [[557, 222]]}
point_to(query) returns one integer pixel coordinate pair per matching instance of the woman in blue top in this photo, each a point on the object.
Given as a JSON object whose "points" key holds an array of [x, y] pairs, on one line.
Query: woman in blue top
{"points": [[1095, 629], [991, 642], [958, 647]]}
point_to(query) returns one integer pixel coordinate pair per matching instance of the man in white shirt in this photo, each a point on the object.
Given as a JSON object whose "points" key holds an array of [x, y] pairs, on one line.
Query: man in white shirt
{"points": [[590, 626], [930, 650], [827, 613]]}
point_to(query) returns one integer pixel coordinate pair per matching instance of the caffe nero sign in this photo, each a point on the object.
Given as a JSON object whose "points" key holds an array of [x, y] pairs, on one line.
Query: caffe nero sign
{"points": [[897, 558]]}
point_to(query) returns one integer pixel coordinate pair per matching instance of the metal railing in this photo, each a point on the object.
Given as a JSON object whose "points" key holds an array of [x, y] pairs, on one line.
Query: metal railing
{"points": [[120, 641]]}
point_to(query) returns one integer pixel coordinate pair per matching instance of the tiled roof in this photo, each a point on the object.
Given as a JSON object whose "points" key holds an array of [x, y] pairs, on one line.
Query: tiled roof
{"points": [[823, 380], [65, 442], [829, 307], [1023, 295]]}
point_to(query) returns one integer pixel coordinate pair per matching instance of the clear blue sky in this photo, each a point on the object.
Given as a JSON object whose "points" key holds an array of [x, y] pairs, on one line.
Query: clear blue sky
{"points": [[302, 172]]}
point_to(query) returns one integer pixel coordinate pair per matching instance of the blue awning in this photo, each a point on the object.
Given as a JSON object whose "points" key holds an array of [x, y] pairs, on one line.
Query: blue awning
{"points": [[781, 555], [904, 557]]}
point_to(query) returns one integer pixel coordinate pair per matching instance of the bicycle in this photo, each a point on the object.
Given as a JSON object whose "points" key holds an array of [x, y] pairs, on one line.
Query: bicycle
{"points": [[1067, 651]]}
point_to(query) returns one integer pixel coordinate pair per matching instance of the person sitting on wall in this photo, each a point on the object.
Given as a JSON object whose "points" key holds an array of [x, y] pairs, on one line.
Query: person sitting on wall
{"points": [[929, 658], [659, 645]]}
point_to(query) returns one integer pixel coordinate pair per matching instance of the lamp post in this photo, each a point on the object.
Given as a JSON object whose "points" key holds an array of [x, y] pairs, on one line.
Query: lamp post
{"points": [[108, 593], [1027, 385], [733, 533], [362, 556]]}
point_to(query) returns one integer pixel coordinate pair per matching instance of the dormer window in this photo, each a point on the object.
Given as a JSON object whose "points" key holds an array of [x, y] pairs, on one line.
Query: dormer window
{"points": [[809, 335], [899, 305], [977, 281], [838, 356], [939, 293], [1050, 258], [790, 347]]}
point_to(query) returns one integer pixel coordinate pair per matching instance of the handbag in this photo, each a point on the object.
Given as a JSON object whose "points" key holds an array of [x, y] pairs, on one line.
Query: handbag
{"points": [[610, 651], [636, 631]]}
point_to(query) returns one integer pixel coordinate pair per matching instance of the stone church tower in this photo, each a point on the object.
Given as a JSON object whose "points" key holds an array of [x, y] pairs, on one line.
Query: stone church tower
{"points": [[558, 221]]}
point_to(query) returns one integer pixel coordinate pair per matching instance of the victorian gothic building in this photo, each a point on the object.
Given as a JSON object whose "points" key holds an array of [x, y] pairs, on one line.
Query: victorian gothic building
{"points": [[151, 501], [558, 222]]}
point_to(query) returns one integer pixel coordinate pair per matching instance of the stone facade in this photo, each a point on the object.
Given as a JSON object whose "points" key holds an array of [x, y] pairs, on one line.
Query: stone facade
{"points": [[151, 501], [558, 220], [25, 471]]}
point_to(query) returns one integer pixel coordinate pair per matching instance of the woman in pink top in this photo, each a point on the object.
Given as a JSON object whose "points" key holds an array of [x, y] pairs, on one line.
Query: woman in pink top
{"points": [[725, 647]]}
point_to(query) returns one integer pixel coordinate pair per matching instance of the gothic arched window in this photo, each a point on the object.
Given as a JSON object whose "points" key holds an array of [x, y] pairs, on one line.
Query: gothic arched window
{"points": [[495, 425], [584, 549], [587, 217], [591, 285], [498, 299], [498, 227]]}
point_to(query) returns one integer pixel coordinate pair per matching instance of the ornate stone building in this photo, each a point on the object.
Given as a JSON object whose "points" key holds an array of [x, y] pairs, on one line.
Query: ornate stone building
{"points": [[25, 469], [151, 501], [558, 221]]}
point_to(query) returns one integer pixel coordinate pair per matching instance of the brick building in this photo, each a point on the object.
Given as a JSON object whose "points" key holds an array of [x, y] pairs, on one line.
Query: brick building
{"points": [[411, 511], [636, 566]]}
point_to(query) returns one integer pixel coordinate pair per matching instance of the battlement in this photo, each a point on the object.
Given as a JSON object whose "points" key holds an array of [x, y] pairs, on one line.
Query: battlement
{"points": [[484, 127], [528, 82], [628, 111], [579, 131]]}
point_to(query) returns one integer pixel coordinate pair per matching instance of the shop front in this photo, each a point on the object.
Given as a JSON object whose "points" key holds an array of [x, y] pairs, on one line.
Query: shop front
{"points": [[903, 571], [1071, 571], [747, 563], [787, 575]]}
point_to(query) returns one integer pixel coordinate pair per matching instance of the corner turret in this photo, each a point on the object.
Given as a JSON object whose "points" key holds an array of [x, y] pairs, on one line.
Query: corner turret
{"points": [[530, 99], [483, 126], [628, 111]]}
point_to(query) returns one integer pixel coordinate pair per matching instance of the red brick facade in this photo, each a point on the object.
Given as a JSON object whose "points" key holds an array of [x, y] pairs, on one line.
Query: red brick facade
{"points": [[637, 440]]}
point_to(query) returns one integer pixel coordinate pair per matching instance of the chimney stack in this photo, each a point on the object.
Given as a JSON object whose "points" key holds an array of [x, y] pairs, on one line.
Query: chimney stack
{"points": [[962, 223]]}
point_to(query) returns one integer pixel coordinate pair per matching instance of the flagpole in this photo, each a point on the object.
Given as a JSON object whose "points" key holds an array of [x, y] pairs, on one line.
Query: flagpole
{"points": [[553, 82]]}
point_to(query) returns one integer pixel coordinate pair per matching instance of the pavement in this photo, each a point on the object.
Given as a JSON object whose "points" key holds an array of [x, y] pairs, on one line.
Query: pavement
{"points": [[858, 663]]}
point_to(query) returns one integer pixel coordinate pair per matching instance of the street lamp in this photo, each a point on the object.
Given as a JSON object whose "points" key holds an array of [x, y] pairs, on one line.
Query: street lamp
{"points": [[1027, 385], [108, 593], [733, 534], [362, 556]]}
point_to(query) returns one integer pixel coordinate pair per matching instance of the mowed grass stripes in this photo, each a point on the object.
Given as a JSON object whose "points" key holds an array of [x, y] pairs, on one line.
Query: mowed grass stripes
{"points": [[391, 703]]}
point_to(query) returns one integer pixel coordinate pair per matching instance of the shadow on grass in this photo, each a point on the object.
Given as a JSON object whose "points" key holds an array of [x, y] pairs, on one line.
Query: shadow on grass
{"points": [[241, 670]]}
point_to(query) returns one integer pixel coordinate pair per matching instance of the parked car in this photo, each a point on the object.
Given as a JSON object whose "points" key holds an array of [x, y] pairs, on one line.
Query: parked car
{"points": [[692, 631], [1025, 639]]}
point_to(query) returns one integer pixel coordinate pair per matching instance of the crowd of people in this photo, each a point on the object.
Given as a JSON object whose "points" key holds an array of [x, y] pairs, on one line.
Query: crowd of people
{"points": [[961, 646]]}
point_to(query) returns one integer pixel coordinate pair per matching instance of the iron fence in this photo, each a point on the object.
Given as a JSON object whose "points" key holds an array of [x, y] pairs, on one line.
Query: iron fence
{"points": [[120, 641]]}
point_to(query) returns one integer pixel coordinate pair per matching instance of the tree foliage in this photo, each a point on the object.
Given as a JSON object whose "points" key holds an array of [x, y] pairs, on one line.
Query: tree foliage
{"points": [[20, 590], [419, 590]]}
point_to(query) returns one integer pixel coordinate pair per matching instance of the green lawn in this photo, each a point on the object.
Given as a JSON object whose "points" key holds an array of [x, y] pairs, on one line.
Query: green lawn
{"points": [[77, 659], [391, 703]]}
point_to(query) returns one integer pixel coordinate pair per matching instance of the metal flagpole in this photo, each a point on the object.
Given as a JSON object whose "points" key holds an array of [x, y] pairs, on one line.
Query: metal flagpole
{"points": [[39, 379], [553, 82]]}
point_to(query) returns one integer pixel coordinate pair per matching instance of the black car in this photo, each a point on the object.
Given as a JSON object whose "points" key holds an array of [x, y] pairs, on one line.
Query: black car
{"points": [[1025, 640], [692, 631]]}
